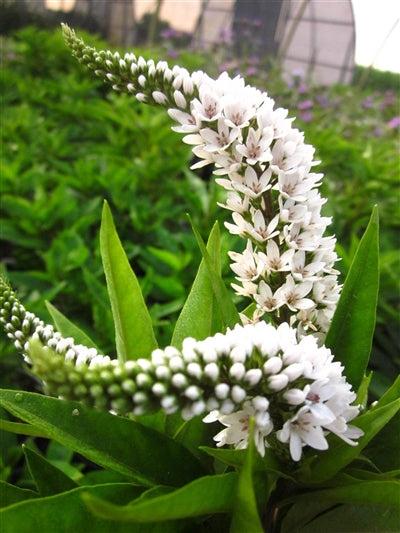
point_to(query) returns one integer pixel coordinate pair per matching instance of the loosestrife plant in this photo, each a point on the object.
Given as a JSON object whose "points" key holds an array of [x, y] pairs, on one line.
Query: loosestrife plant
{"points": [[279, 388]]}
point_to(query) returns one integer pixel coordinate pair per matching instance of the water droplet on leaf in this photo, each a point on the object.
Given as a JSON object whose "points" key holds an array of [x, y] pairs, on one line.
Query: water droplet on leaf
{"points": [[19, 397], [75, 412]]}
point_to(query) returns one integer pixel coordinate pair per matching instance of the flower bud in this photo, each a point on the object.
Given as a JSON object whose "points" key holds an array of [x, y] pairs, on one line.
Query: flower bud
{"points": [[278, 382]]}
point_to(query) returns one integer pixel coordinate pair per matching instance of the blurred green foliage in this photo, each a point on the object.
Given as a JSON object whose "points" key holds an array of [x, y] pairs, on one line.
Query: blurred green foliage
{"points": [[69, 142]]}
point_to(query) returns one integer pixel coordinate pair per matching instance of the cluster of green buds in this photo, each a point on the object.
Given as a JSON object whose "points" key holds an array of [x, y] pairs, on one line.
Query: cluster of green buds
{"points": [[150, 82]]}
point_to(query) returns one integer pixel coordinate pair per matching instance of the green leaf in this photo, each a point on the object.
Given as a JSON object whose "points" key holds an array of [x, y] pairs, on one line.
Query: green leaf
{"points": [[362, 393], [245, 514], [201, 315], [209, 494], [310, 505], [48, 479], [66, 513], [355, 519], [113, 442], [351, 332], [68, 328], [22, 429], [229, 313], [134, 333], [392, 393], [384, 448], [192, 433], [340, 454], [9, 494]]}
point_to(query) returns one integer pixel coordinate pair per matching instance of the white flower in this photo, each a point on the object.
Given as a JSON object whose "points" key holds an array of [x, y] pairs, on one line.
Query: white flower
{"points": [[248, 288], [208, 108], [303, 429], [290, 211], [344, 431], [266, 300], [237, 112], [241, 226], [326, 291], [253, 185], [247, 266], [302, 271], [215, 141], [228, 162], [262, 231], [292, 294], [237, 427], [256, 148], [275, 262], [189, 123], [234, 202]]}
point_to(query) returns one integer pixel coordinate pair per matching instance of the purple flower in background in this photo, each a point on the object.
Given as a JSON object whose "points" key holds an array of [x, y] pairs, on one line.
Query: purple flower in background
{"points": [[251, 71], [306, 104], [367, 103], [225, 36], [254, 60], [377, 132], [307, 116], [389, 97], [168, 33], [322, 100], [394, 123], [302, 88], [173, 53]]}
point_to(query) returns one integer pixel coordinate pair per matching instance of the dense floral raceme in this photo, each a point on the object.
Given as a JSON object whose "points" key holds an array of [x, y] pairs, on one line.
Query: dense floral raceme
{"points": [[287, 266], [293, 389]]}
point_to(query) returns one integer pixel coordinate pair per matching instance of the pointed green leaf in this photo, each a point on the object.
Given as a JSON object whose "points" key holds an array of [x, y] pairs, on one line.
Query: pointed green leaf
{"points": [[352, 328], [383, 493], [201, 316], [245, 513], [68, 328], [48, 479], [113, 442], [229, 313], [392, 393], [350, 518], [362, 393], [383, 449], [22, 429], [209, 494], [10, 494], [66, 513], [134, 334]]}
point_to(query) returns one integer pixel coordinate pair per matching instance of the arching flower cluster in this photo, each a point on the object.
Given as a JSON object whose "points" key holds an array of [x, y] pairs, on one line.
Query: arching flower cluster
{"points": [[293, 389], [21, 326], [287, 266]]}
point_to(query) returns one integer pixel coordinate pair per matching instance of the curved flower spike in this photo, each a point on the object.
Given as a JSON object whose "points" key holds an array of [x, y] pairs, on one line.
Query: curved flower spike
{"points": [[293, 389], [272, 192]]}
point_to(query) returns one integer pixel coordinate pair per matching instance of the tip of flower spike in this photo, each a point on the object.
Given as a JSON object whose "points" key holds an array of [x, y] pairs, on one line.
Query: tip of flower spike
{"points": [[67, 31]]}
